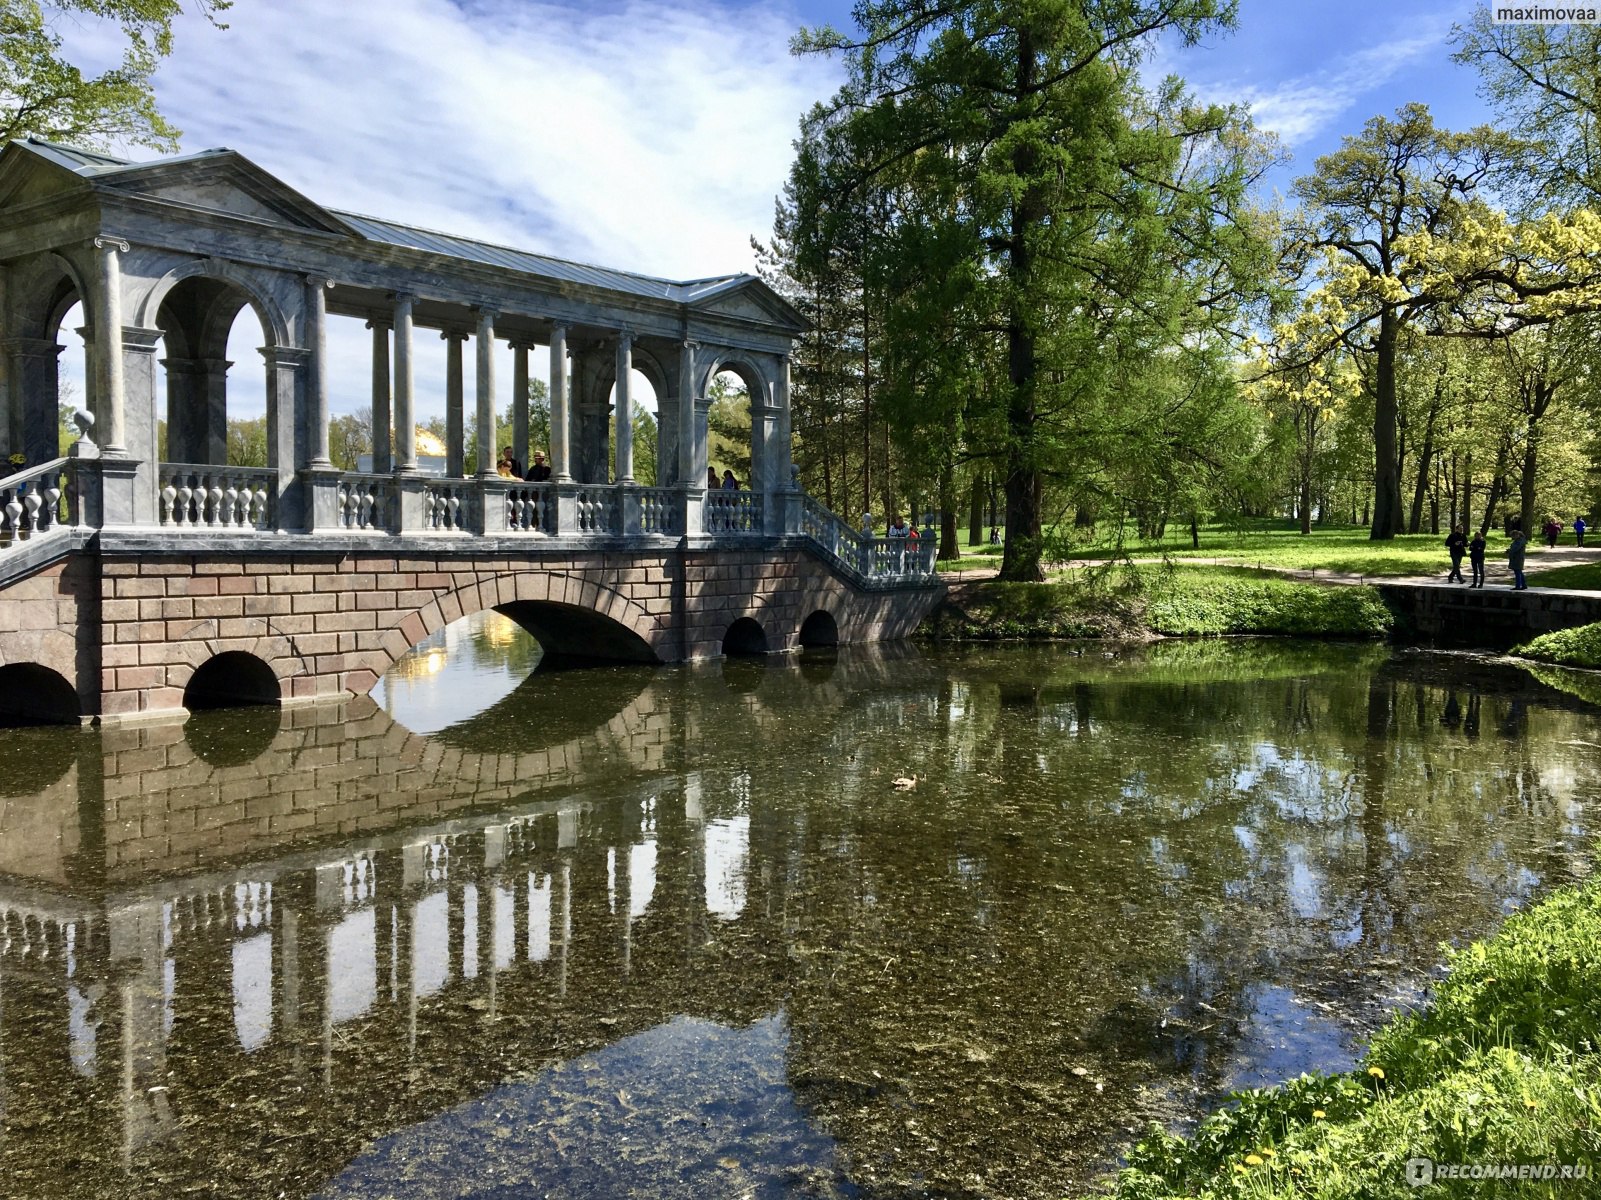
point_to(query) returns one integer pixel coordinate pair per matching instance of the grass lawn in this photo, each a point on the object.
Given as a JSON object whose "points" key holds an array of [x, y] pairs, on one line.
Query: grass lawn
{"points": [[1585, 577], [1279, 544]]}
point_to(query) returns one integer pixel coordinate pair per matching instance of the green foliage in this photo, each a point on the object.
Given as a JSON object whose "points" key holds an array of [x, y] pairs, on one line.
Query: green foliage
{"points": [[1580, 647], [42, 94], [1500, 1068], [1581, 577], [1187, 602], [247, 442]]}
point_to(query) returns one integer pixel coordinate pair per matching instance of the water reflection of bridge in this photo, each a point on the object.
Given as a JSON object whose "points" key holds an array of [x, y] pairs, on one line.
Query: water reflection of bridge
{"points": [[187, 986]]}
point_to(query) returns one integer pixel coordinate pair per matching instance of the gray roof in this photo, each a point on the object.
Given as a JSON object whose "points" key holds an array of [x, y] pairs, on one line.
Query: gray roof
{"points": [[93, 164], [410, 236]]}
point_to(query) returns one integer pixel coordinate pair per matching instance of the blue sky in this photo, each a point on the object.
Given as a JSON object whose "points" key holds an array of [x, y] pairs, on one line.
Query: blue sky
{"points": [[653, 135]]}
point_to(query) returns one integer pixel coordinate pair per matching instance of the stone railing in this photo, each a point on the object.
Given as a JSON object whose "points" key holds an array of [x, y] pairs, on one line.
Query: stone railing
{"points": [[235, 499], [448, 504], [596, 508], [523, 507], [872, 558], [660, 512], [733, 512], [368, 502], [34, 502]]}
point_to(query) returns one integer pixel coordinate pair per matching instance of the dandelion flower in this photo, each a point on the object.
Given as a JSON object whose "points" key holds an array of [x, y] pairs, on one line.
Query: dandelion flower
{"points": [[1253, 1160], [1376, 1072], [1319, 1113]]}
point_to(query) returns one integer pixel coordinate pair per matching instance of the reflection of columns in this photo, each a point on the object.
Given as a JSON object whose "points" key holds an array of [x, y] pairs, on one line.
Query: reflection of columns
{"points": [[317, 342], [625, 408], [566, 921], [623, 874], [382, 461], [405, 414], [560, 464], [488, 452], [107, 319], [455, 454], [519, 404], [289, 980]]}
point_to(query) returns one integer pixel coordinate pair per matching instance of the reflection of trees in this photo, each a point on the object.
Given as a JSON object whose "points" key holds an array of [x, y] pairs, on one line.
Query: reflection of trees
{"points": [[1100, 868]]}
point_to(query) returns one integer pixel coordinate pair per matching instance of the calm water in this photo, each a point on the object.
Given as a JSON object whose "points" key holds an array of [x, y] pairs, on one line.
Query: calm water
{"points": [[681, 933]]}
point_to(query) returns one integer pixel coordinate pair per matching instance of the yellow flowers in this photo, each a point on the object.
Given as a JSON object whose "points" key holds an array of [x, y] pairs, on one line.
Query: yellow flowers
{"points": [[1376, 1072], [1253, 1160], [1319, 1113]]}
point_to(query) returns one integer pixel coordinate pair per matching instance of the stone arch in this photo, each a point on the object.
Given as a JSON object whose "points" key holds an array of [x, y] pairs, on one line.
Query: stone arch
{"points": [[230, 679], [741, 363], [274, 323], [34, 694], [819, 629], [745, 637], [518, 595]]}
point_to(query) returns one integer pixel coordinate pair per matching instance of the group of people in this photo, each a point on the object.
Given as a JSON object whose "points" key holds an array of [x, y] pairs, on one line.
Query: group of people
{"points": [[1553, 530], [1458, 545], [509, 468]]}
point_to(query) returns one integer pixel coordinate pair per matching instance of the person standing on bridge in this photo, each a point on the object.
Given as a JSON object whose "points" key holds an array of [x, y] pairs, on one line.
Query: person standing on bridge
{"points": [[1476, 558], [1456, 545], [1514, 559]]}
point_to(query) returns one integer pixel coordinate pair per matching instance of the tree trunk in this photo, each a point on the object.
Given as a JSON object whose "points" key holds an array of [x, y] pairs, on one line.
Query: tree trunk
{"points": [[949, 545], [1195, 531], [867, 415], [1020, 561], [1386, 466], [1497, 483], [1531, 462], [975, 511]]}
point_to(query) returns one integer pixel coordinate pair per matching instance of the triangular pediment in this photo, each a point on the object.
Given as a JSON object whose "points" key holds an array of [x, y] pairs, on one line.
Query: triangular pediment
{"points": [[747, 298], [28, 176], [223, 181]]}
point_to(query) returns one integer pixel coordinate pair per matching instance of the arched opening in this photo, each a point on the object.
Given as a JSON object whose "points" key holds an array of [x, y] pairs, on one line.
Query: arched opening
{"points": [[213, 410], [744, 638], [56, 383], [731, 449], [819, 629], [231, 680], [34, 695], [573, 636]]}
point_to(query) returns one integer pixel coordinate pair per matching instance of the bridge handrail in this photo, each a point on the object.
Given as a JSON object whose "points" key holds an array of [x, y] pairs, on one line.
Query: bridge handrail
{"points": [[36, 501], [209, 496], [523, 507], [733, 512], [872, 558], [367, 500]]}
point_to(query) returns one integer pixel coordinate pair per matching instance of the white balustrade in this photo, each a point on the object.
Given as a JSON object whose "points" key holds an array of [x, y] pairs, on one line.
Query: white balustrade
{"points": [[733, 512], [367, 502], [659, 512], [236, 499], [447, 506], [528, 507], [597, 509], [34, 502]]}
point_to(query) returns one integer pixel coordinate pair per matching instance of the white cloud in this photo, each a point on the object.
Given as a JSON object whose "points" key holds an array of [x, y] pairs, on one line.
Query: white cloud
{"points": [[650, 136]]}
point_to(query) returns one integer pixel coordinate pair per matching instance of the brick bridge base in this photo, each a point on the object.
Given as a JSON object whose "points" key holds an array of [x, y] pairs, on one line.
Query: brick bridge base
{"points": [[127, 633]]}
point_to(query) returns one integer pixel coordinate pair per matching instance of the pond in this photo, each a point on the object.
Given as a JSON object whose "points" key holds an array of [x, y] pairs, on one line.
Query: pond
{"points": [[883, 923]]}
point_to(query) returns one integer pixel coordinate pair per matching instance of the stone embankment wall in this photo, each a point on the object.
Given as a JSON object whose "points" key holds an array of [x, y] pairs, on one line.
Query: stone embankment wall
{"points": [[1493, 618]]}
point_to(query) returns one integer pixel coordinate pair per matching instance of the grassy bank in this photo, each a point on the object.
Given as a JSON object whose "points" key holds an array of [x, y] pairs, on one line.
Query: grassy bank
{"points": [[1501, 1068], [1176, 602], [1263, 543], [1578, 647]]}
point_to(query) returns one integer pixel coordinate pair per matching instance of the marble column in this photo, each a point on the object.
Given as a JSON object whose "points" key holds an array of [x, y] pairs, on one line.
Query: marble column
{"points": [[519, 404], [382, 459], [317, 341], [625, 408], [455, 448], [35, 381], [560, 448], [405, 412], [488, 452], [139, 367], [107, 318], [287, 367], [692, 451]]}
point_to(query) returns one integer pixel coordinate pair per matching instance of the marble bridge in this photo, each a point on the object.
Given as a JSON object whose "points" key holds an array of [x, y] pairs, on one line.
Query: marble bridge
{"points": [[143, 572]]}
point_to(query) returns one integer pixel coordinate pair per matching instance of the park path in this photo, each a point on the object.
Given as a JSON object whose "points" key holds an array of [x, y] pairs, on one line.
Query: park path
{"points": [[1497, 574]]}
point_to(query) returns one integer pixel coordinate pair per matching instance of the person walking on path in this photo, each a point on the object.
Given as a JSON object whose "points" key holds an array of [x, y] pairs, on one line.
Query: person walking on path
{"points": [[1552, 530], [1476, 558], [1514, 559], [1456, 546], [1578, 529]]}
